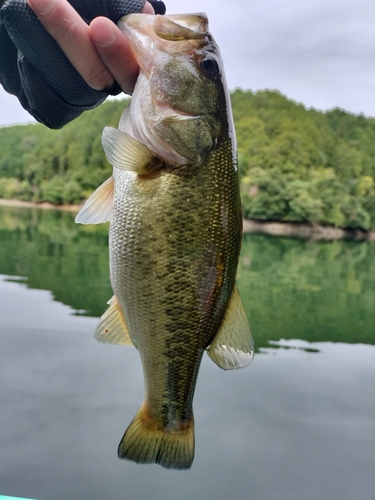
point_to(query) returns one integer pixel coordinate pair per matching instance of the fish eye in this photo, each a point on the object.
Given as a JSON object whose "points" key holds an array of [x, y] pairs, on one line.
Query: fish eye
{"points": [[210, 68]]}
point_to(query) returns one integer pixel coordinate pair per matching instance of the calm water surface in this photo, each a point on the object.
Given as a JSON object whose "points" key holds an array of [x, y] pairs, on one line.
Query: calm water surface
{"points": [[299, 423]]}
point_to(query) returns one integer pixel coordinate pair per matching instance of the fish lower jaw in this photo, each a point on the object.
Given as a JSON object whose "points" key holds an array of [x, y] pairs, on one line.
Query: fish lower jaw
{"points": [[169, 112]]}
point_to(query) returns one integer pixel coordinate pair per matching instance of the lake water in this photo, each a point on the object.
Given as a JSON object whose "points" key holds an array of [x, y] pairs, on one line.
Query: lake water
{"points": [[298, 424]]}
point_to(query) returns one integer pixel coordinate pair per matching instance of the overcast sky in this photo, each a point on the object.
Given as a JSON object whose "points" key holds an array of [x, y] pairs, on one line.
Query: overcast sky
{"points": [[317, 52]]}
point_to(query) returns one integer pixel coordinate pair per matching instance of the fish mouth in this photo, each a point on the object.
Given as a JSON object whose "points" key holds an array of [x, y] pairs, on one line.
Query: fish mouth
{"points": [[170, 28], [183, 27]]}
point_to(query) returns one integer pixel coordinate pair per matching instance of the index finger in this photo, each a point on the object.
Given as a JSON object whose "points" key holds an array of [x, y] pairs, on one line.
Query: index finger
{"points": [[70, 31]]}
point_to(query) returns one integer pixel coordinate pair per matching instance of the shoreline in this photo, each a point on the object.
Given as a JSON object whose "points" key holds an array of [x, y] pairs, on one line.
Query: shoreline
{"points": [[31, 204], [311, 231]]}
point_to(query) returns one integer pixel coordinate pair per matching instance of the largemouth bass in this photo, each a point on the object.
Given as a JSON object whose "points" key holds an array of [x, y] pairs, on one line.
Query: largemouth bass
{"points": [[175, 230]]}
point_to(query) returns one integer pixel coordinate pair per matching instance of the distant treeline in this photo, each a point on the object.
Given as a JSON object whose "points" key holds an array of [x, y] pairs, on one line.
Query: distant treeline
{"points": [[295, 164]]}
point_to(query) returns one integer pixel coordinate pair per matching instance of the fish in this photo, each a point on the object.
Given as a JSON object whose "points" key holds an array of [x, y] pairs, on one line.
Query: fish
{"points": [[173, 203]]}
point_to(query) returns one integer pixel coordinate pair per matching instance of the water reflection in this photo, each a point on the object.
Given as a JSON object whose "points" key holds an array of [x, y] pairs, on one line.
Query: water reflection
{"points": [[316, 291], [53, 253]]}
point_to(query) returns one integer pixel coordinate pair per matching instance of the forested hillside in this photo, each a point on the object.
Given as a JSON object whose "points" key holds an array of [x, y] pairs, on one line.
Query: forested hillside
{"points": [[295, 164], [59, 166], [299, 165]]}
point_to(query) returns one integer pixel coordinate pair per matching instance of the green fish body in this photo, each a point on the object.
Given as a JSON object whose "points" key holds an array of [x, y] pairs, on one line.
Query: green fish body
{"points": [[175, 230]]}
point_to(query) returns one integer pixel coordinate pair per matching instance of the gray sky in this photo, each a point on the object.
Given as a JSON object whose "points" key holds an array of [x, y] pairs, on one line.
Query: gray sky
{"points": [[317, 52]]}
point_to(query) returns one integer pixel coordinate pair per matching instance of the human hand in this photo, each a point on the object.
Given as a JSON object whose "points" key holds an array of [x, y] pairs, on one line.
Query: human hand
{"points": [[99, 52], [114, 49], [57, 81]]}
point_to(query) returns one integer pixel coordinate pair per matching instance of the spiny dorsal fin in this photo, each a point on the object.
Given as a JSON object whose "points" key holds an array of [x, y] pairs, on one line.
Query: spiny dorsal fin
{"points": [[98, 208], [233, 345], [126, 153], [112, 327]]}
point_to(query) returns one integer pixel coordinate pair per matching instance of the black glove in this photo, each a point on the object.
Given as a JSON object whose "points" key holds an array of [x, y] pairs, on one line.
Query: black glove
{"points": [[35, 69]]}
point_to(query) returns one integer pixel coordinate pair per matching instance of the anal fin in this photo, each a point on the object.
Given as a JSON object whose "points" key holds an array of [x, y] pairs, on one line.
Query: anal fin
{"points": [[112, 327], [233, 345]]}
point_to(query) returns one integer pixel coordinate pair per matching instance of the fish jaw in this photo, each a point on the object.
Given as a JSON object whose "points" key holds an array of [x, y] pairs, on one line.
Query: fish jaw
{"points": [[172, 66]]}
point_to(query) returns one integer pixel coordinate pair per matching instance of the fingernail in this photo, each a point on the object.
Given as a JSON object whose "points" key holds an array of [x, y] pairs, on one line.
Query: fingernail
{"points": [[41, 7], [104, 34]]}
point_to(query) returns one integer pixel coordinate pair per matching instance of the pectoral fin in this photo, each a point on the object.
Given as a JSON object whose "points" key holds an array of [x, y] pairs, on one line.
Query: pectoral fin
{"points": [[126, 153], [98, 208], [233, 345], [112, 327]]}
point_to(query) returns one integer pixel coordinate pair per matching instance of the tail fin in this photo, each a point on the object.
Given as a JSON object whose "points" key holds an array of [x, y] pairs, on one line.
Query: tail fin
{"points": [[145, 442]]}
